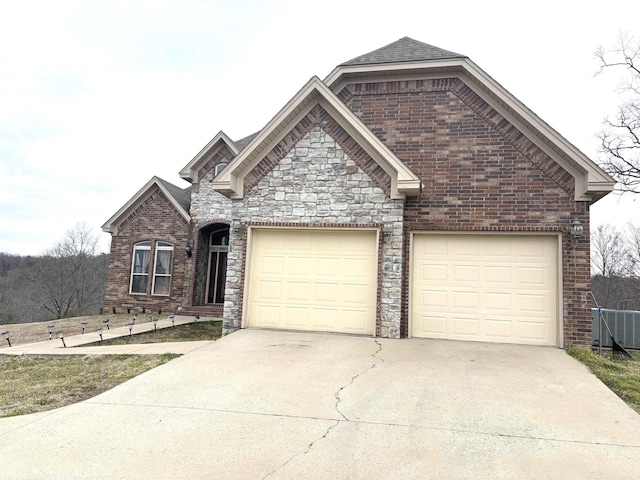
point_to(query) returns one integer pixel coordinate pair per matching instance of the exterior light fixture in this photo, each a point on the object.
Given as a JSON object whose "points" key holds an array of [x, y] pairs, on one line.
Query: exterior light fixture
{"points": [[173, 320], [196, 318], [155, 323], [84, 325], [61, 337], [189, 250], [106, 322], [50, 328], [575, 231], [134, 320], [130, 325], [5, 334], [99, 332]]}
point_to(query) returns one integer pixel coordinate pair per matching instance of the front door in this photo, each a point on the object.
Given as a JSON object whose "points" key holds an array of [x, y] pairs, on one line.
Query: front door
{"points": [[217, 271]]}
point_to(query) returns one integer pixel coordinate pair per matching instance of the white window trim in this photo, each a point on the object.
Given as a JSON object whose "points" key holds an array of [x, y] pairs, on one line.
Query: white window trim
{"points": [[146, 245], [162, 247]]}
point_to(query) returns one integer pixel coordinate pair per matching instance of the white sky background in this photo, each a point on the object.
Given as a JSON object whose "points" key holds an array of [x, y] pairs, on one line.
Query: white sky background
{"points": [[97, 96]]}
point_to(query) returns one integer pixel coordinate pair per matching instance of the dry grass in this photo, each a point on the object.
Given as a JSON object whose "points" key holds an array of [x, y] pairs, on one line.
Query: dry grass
{"points": [[621, 376], [33, 383], [21, 333]]}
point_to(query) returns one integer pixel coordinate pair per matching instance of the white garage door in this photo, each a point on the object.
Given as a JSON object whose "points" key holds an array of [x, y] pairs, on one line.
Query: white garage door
{"points": [[491, 288], [319, 280]]}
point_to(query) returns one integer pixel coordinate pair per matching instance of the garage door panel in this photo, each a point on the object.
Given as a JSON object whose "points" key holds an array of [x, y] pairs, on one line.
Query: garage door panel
{"points": [[296, 291], [323, 280], [271, 264], [499, 301], [269, 315], [354, 294], [294, 316], [499, 329], [496, 287], [270, 290], [465, 273], [465, 327], [432, 325], [465, 300], [324, 292]]}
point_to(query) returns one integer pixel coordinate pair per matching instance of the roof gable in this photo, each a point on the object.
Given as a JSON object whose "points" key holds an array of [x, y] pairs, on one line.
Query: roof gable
{"points": [[391, 64], [230, 181], [191, 169], [404, 50], [180, 198]]}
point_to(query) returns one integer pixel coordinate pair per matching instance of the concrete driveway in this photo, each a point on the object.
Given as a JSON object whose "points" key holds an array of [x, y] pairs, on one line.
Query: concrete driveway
{"points": [[283, 405]]}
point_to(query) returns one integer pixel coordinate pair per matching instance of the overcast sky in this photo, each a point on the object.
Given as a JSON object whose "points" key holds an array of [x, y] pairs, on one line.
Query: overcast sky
{"points": [[96, 97]]}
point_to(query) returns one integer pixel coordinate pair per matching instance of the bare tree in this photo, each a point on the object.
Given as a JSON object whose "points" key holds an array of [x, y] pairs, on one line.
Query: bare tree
{"points": [[69, 279], [620, 137], [614, 266]]}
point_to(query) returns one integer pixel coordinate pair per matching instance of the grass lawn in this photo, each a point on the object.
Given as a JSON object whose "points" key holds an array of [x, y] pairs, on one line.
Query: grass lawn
{"points": [[621, 376], [203, 330], [35, 383]]}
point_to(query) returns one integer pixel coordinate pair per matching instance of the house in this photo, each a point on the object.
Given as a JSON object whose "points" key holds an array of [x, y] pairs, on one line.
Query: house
{"points": [[407, 194]]}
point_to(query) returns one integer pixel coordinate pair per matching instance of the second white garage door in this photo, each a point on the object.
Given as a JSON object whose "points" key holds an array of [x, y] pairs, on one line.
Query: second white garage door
{"points": [[319, 280], [493, 288]]}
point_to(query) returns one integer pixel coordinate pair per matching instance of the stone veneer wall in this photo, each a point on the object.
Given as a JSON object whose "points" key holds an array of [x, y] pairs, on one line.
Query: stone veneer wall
{"points": [[318, 184]]}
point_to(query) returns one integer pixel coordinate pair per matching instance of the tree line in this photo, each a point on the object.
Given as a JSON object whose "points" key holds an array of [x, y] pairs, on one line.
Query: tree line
{"points": [[615, 266], [68, 280]]}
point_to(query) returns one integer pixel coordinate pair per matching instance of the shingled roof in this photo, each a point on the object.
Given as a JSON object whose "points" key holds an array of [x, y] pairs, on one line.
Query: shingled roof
{"points": [[404, 50]]}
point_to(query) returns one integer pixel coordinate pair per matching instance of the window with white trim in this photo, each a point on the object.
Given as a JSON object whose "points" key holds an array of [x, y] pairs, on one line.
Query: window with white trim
{"points": [[162, 273], [140, 267]]}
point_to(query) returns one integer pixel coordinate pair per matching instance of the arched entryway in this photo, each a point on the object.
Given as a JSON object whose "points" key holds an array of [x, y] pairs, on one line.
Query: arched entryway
{"points": [[211, 266]]}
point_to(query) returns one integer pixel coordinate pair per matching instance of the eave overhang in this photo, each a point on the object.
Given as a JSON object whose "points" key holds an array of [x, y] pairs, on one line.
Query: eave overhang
{"points": [[190, 170], [112, 225], [230, 181], [591, 182]]}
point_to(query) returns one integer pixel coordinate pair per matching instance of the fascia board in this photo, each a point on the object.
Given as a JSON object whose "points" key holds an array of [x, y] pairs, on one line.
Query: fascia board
{"points": [[209, 149], [111, 226]]}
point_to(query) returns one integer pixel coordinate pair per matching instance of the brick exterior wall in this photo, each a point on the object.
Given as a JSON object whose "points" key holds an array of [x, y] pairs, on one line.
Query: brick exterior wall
{"points": [[155, 219], [480, 174]]}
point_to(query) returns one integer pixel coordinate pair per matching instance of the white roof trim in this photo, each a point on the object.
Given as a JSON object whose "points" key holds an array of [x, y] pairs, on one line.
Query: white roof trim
{"points": [[591, 182], [190, 170], [112, 225], [231, 180]]}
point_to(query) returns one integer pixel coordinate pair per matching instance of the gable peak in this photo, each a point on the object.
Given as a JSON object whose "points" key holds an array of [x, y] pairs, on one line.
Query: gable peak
{"points": [[403, 50]]}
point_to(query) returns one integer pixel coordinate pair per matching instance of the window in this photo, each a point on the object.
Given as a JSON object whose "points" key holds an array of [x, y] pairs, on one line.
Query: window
{"points": [[219, 168], [162, 274], [140, 267]]}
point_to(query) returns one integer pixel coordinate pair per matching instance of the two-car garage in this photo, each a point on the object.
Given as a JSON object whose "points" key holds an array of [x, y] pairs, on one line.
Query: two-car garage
{"points": [[481, 287]]}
